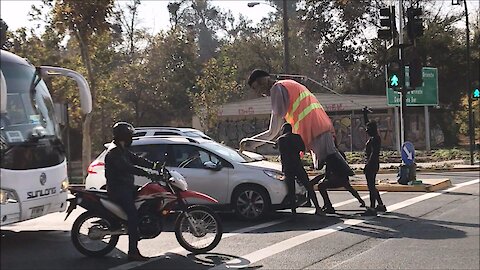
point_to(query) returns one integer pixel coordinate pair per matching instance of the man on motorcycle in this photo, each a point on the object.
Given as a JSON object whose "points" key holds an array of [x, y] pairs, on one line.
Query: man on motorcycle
{"points": [[120, 168]]}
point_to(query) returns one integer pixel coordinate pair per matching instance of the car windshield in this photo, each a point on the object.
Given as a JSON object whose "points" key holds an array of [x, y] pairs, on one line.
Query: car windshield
{"points": [[227, 152]]}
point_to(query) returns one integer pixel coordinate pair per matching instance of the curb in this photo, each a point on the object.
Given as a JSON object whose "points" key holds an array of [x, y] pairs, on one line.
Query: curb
{"points": [[390, 171]]}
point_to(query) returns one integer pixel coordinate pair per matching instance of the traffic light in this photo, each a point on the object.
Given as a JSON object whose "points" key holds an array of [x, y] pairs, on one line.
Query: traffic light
{"points": [[415, 72], [415, 23], [393, 75], [387, 29], [476, 93]]}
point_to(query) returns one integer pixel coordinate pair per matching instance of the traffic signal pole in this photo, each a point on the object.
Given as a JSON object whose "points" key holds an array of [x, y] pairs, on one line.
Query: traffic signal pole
{"points": [[471, 127], [403, 92]]}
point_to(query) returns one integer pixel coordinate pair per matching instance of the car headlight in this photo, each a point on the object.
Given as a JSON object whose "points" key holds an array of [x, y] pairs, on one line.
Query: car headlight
{"points": [[275, 175], [64, 185], [7, 196]]}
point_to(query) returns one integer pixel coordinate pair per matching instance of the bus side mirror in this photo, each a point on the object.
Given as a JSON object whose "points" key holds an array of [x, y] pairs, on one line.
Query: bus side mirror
{"points": [[3, 94]]}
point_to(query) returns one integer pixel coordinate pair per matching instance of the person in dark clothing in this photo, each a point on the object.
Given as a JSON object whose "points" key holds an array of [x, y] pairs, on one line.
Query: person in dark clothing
{"points": [[290, 145], [372, 165], [120, 168], [335, 178]]}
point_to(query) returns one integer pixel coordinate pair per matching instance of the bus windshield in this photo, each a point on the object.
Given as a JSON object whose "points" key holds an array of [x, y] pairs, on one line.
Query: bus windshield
{"points": [[30, 136]]}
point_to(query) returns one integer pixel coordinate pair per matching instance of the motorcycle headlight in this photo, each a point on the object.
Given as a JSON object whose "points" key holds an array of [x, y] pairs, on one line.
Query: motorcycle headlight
{"points": [[274, 175], [64, 185], [7, 196]]}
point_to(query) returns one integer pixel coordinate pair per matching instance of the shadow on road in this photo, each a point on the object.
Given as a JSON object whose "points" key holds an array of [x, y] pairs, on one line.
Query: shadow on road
{"points": [[49, 249]]}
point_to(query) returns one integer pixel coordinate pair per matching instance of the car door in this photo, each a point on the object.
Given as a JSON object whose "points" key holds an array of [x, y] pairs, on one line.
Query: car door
{"points": [[214, 183]]}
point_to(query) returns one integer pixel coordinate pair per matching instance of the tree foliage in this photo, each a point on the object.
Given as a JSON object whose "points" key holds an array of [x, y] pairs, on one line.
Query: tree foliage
{"points": [[204, 58]]}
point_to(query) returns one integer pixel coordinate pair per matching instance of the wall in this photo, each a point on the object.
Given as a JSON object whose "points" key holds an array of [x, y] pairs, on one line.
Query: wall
{"points": [[350, 130]]}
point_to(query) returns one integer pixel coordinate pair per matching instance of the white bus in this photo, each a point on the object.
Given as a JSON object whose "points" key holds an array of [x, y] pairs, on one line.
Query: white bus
{"points": [[33, 165]]}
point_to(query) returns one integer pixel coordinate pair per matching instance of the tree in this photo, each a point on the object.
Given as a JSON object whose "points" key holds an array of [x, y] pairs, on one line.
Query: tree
{"points": [[214, 87], [83, 20], [3, 33]]}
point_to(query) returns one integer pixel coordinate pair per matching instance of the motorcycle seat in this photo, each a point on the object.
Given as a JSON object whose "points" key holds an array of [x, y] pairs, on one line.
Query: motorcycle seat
{"points": [[99, 193]]}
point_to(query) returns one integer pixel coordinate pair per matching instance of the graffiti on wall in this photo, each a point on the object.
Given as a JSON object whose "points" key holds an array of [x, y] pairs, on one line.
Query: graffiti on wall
{"points": [[231, 132], [350, 130], [351, 134]]}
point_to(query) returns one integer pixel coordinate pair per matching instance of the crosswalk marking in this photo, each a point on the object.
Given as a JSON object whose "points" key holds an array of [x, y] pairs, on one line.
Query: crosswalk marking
{"points": [[303, 238]]}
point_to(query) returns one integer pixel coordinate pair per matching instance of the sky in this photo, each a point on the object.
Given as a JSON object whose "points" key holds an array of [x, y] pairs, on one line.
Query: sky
{"points": [[153, 14]]}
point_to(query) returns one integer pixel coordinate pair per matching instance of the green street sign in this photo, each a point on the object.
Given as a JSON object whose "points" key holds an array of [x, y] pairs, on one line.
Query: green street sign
{"points": [[426, 95]]}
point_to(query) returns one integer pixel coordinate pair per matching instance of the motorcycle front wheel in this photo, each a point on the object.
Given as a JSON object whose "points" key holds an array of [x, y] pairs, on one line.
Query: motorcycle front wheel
{"points": [[202, 232], [90, 235]]}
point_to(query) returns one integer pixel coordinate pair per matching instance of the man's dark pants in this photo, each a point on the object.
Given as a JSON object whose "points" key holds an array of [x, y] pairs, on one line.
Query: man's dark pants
{"points": [[125, 198], [301, 175]]}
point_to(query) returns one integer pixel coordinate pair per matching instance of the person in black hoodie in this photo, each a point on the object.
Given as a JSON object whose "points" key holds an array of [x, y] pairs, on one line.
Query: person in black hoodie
{"points": [[120, 167], [372, 165], [290, 145]]}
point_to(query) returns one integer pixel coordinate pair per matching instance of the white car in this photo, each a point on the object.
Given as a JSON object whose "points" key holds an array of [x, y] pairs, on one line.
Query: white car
{"points": [[170, 131], [249, 187]]}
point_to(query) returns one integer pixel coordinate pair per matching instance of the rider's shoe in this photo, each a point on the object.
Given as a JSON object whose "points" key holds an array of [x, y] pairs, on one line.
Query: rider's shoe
{"points": [[136, 256], [370, 212], [381, 208], [319, 212]]}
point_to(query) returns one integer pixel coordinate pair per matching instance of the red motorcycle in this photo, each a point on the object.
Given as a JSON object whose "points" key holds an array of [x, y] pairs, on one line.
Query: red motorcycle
{"points": [[95, 233]]}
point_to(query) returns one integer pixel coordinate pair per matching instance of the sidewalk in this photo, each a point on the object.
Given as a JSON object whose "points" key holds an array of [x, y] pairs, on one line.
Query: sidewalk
{"points": [[450, 165], [387, 182]]}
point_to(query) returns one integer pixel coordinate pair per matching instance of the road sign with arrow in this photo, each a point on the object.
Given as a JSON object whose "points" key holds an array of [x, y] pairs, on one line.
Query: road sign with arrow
{"points": [[408, 153]]}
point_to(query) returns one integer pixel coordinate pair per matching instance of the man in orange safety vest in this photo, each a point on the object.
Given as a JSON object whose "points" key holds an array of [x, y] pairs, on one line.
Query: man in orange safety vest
{"points": [[294, 103]]}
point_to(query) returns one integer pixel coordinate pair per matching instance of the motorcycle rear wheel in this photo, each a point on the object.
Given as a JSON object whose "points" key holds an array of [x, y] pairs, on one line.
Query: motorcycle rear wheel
{"points": [[208, 231], [87, 236]]}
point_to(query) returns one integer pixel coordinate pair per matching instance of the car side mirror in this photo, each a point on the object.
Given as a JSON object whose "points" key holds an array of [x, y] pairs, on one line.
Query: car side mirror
{"points": [[213, 166]]}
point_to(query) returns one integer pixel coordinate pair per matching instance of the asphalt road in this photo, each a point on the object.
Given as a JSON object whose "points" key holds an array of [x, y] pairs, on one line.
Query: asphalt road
{"points": [[438, 230]]}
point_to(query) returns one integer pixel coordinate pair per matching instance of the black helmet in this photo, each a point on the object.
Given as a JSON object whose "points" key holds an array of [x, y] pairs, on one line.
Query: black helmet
{"points": [[123, 131]]}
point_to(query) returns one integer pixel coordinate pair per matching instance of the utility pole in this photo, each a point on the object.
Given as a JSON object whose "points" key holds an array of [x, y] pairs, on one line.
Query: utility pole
{"points": [[403, 91], [286, 51], [471, 128]]}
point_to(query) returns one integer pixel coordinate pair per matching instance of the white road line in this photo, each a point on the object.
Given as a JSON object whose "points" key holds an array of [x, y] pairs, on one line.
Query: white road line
{"points": [[303, 238], [182, 251]]}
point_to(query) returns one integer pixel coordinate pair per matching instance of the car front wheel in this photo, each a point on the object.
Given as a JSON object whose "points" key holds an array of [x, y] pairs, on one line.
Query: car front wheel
{"points": [[251, 202]]}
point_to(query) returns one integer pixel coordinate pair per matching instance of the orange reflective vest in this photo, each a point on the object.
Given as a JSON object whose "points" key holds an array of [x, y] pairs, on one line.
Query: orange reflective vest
{"points": [[305, 113]]}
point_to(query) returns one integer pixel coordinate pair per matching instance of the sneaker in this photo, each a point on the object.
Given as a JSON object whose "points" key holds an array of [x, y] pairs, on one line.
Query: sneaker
{"points": [[381, 208], [137, 257], [370, 212], [362, 204], [319, 212], [328, 210]]}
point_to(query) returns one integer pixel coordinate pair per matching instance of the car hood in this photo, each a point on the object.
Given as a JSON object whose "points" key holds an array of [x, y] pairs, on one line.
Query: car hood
{"points": [[253, 155], [264, 165]]}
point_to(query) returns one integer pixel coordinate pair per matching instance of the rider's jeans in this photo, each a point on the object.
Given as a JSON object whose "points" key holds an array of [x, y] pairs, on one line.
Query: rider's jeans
{"points": [[125, 198]]}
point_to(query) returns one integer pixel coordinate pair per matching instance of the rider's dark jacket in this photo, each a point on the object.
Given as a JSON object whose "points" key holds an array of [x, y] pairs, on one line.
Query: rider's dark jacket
{"points": [[120, 168]]}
